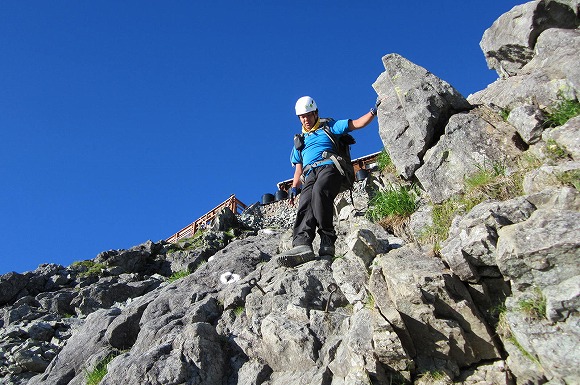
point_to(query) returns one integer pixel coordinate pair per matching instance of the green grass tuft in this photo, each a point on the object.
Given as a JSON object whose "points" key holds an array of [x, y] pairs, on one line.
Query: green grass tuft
{"points": [[505, 113], [385, 163], [90, 268], [401, 201], [239, 310], [535, 306], [570, 178], [178, 275], [564, 110], [95, 376], [556, 152], [488, 182]]}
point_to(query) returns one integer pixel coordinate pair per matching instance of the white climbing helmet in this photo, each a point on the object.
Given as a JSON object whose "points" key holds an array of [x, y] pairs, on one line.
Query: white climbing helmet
{"points": [[305, 105]]}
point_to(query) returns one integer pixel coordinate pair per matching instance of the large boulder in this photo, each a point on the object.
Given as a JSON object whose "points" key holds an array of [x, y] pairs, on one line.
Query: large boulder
{"points": [[434, 309], [10, 285], [566, 136], [540, 325], [551, 74], [470, 249], [415, 108], [542, 251], [509, 43], [87, 346], [472, 141]]}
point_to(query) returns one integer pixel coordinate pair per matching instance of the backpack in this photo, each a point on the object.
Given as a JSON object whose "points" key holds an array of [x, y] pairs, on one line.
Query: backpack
{"points": [[340, 155]]}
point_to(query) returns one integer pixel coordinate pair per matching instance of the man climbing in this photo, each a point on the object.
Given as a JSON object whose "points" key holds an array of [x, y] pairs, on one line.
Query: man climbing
{"points": [[321, 181]]}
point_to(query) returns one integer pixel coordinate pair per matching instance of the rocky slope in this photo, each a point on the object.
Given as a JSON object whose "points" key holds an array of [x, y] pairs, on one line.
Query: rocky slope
{"points": [[494, 302]]}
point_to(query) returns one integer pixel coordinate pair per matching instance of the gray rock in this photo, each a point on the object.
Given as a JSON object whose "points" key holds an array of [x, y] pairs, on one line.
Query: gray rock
{"points": [[470, 249], [24, 309], [539, 350], [556, 198], [548, 177], [307, 376], [562, 299], [462, 152], [138, 259], [416, 283], [363, 244], [110, 290], [189, 260], [509, 43], [528, 121], [548, 76], [566, 136], [287, 344], [541, 251], [58, 302], [10, 285], [72, 359], [40, 331], [30, 360], [362, 351], [253, 372], [123, 331], [351, 274], [416, 106], [193, 356], [225, 220]]}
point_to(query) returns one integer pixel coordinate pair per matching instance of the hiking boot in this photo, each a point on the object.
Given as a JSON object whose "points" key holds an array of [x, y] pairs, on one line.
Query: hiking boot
{"points": [[326, 245], [326, 250], [296, 256]]}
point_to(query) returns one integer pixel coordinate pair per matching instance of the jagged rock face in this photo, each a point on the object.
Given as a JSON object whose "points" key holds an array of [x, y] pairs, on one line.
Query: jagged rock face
{"points": [[472, 141], [386, 309], [509, 43], [414, 110]]}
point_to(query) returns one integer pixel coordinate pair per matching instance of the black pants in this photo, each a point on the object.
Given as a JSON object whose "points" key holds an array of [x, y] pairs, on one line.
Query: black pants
{"points": [[316, 207]]}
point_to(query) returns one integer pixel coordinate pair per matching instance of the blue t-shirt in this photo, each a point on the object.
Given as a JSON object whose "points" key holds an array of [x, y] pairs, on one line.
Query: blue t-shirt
{"points": [[315, 143]]}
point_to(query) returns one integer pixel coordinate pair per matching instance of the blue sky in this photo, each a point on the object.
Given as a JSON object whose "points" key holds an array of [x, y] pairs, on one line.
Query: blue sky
{"points": [[124, 121]]}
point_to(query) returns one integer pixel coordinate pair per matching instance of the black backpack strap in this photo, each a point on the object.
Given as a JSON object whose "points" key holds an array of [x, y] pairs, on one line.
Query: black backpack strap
{"points": [[299, 141], [334, 157]]}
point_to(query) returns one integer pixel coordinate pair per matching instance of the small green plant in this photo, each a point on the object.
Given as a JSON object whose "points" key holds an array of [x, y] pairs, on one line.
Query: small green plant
{"points": [[239, 310], [534, 306], [88, 268], [401, 201], [370, 302], [570, 178], [442, 216], [485, 174], [503, 327], [504, 113], [384, 162], [488, 182], [522, 350], [337, 256], [190, 243], [392, 208], [564, 110], [491, 182], [556, 152], [528, 161], [178, 275], [433, 376], [503, 330], [95, 376]]}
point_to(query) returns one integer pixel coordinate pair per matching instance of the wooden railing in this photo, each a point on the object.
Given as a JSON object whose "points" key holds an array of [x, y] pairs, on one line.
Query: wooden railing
{"points": [[232, 202]]}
